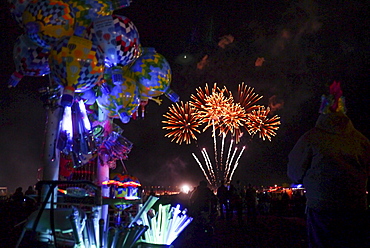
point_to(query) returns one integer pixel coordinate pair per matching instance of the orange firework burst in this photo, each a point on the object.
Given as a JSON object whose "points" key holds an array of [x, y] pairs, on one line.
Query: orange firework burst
{"points": [[247, 97], [199, 99], [237, 135], [182, 120], [215, 108], [233, 118], [258, 122]]}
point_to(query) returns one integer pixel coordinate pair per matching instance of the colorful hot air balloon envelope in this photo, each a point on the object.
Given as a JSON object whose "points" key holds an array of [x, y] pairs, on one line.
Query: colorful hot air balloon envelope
{"points": [[29, 59], [122, 101], [47, 21], [88, 10], [152, 72], [118, 37], [77, 64]]}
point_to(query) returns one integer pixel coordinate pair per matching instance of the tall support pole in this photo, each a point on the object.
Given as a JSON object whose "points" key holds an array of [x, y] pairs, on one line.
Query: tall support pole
{"points": [[51, 154], [51, 157], [103, 175]]}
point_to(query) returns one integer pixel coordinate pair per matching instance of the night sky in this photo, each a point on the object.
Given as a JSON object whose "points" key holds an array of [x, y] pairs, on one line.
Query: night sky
{"points": [[305, 46]]}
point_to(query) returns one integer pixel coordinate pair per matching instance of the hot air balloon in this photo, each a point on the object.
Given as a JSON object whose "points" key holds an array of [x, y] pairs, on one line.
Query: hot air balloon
{"points": [[77, 64], [153, 74], [29, 60], [47, 21], [119, 39], [121, 101], [88, 10]]}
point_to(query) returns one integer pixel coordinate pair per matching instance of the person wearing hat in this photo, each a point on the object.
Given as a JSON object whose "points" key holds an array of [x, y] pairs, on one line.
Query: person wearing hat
{"points": [[332, 161]]}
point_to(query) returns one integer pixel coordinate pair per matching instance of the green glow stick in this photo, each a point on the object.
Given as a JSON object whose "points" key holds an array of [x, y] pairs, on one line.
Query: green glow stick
{"points": [[144, 209], [166, 225]]}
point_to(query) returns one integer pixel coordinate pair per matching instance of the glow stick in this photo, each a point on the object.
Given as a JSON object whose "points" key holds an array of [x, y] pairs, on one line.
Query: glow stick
{"points": [[67, 122], [166, 215], [153, 229], [144, 209], [134, 235], [111, 234], [158, 223], [175, 212], [166, 225], [148, 224], [85, 119]]}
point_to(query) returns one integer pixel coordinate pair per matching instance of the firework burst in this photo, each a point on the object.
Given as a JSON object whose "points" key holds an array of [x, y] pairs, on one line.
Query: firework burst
{"points": [[199, 99], [234, 117], [247, 98], [258, 122], [215, 109], [183, 122]]}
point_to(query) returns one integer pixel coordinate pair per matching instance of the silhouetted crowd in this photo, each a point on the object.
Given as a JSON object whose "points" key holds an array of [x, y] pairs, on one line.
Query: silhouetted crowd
{"points": [[244, 202]]}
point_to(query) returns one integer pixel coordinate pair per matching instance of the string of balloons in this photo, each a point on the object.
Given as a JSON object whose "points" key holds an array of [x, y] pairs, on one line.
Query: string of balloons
{"points": [[93, 57]]}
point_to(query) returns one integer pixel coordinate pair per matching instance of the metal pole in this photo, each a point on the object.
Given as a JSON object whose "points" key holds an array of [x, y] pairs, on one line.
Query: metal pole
{"points": [[51, 157]]}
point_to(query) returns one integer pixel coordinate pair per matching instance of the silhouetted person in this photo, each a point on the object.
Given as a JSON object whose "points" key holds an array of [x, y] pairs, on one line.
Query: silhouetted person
{"points": [[236, 202], [264, 202], [239, 189], [332, 160], [18, 196], [30, 191], [223, 199], [202, 199], [251, 203], [203, 209], [30, 198], [285, 201]]}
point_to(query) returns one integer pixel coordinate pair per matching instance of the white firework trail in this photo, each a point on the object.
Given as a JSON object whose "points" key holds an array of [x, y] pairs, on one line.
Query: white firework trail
{"points": [[212, 171], [201, 167], [236, 163], [209, 166], [222, 150], [227, 171], [215, 144], [228, 154]]}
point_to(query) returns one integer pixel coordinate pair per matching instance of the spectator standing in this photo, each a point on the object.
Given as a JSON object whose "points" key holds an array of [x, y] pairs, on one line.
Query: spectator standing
{"points": [[18, 196], [30, 198], [30, 191], [332, 160], [251, 203], [264, 202], [223, 199], [236, 201], [202, 199]]}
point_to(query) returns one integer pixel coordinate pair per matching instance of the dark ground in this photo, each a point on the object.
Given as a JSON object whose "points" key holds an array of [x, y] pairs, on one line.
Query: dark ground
{"points": [[270, 231]]}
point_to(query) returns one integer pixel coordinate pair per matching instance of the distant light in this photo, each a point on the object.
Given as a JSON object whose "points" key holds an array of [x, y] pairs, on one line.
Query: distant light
{"points": [[185, 189], [297, 186]]}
